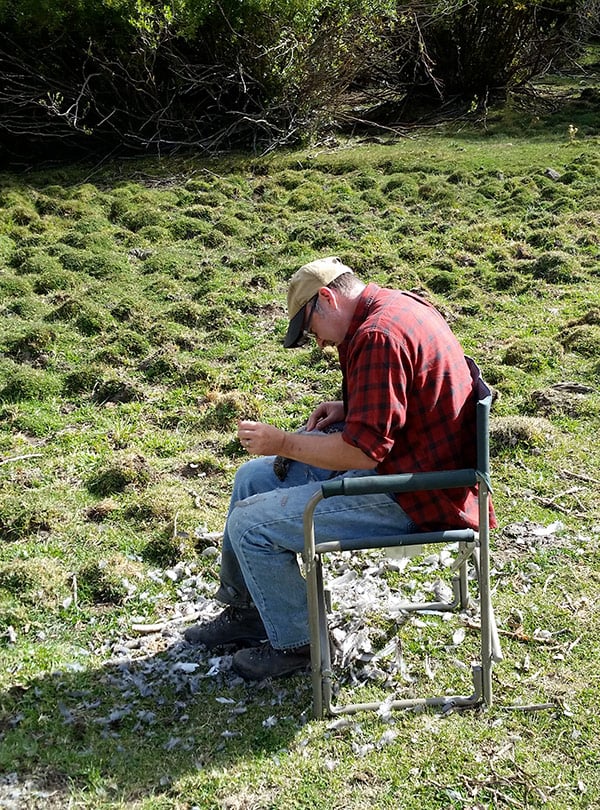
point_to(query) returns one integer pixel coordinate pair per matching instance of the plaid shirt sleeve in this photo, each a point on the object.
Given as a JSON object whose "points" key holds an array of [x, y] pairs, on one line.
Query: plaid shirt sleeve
{"points": [[378, 381]]}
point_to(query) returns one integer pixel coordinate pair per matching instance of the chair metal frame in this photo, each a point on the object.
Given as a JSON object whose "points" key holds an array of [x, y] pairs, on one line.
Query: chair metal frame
{"points": [[473, 547]]}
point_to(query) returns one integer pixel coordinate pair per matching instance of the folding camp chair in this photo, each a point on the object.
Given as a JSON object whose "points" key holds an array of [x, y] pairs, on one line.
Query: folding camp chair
{"points": [[473, 548]]}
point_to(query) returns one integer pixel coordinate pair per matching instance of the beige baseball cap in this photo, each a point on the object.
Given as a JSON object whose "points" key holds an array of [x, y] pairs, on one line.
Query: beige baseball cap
{"points": [[304, 284]]}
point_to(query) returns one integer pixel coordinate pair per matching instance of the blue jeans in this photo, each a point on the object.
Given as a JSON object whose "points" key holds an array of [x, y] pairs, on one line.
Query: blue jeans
{"points": [[264, 534]]}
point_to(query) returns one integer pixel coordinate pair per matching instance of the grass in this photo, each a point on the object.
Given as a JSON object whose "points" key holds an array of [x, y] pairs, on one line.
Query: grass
{"points": [[142, 312]]}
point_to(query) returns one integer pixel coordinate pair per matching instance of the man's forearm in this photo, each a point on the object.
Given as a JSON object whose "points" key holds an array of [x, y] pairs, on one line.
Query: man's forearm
{"points": [[328, 451]]}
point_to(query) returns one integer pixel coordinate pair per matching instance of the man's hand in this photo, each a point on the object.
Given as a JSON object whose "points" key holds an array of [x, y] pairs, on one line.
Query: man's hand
{"points": [[325, 414], [260, 439]]}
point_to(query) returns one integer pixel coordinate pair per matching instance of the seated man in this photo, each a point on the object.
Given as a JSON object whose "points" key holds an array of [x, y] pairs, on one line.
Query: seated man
{"points": [[408, 406]]}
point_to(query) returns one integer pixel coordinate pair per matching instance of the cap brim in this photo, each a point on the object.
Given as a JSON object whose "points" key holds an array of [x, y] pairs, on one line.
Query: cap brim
{"points": [[294, 331]]}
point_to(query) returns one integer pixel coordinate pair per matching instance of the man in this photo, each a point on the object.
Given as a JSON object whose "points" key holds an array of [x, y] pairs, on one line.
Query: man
{"points": [[407, 406]]}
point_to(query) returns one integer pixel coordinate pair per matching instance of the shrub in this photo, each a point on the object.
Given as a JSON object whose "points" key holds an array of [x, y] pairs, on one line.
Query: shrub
{"points": [[279, 70]]}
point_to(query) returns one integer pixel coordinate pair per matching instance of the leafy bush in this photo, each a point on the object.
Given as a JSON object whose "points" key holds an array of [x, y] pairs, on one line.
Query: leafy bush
{"points": [[274, 63], [222, 75]]}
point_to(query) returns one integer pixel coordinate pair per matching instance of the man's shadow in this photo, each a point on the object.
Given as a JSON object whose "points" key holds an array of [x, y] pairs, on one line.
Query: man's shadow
{"points": [[144, 719]]}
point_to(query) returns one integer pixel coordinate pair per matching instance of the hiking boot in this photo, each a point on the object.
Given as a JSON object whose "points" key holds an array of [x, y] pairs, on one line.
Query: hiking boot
{"points": [[267, 662], [239, 626]]}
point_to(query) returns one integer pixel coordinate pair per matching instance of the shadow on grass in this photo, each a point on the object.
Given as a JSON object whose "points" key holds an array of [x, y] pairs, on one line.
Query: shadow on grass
{"points": [[143, 720]]}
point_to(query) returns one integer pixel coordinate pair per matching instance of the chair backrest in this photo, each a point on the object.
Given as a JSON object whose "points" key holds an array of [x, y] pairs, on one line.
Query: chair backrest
{"points": [[482, 416]]}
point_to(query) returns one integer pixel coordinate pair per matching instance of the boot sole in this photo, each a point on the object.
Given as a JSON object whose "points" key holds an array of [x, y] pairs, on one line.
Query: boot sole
{"points": [[238, 643], [249, 677]]}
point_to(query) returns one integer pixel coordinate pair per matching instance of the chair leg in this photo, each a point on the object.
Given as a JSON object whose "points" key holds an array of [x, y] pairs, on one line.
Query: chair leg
{"points": [[326, 673], [316, 608], [463, 580], [460, 585], [490, 645]]}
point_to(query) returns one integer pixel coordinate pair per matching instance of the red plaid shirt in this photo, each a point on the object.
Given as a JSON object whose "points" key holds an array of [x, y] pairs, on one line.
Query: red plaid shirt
{"points": [[406, 384]]}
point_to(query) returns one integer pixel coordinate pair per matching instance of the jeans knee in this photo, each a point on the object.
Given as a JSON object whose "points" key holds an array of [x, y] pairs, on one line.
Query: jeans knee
{"points": [[243, 475], [252, 477], [241, 521]]}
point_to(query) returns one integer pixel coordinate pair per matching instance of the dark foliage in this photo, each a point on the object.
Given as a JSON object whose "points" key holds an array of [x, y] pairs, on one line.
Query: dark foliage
{"points": [[82, 78]]}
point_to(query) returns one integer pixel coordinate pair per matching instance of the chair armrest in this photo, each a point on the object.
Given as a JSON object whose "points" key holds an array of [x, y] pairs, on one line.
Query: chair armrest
{"points": [[400, 482]]}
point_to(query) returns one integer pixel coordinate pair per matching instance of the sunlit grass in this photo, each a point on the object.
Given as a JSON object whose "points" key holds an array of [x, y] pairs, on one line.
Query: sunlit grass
{"points": [[140, 319]]}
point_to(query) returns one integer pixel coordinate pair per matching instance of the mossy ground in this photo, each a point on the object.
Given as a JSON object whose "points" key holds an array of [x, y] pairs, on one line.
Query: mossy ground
{"points": [[142, 312]]}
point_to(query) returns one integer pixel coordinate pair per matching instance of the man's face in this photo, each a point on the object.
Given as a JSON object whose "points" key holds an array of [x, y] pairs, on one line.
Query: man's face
{"points": [[324, 319]]}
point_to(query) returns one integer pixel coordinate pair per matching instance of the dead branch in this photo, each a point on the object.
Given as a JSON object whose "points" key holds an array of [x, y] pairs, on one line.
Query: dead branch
{"points": [[20, 458]]}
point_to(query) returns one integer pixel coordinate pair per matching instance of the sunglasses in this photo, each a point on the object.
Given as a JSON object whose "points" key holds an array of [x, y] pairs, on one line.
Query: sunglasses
{"points": [[306, 333]]}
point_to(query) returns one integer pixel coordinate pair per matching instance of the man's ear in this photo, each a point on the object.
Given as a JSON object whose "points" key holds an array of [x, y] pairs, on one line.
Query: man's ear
{"points": [[328, 296]]}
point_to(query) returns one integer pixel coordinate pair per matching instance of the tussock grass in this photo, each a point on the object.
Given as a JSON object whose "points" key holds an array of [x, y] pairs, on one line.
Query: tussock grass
{"points": [[142, 308]]}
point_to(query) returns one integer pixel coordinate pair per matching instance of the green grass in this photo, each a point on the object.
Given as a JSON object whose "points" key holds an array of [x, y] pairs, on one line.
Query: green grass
{"points": [[142, 312]]}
